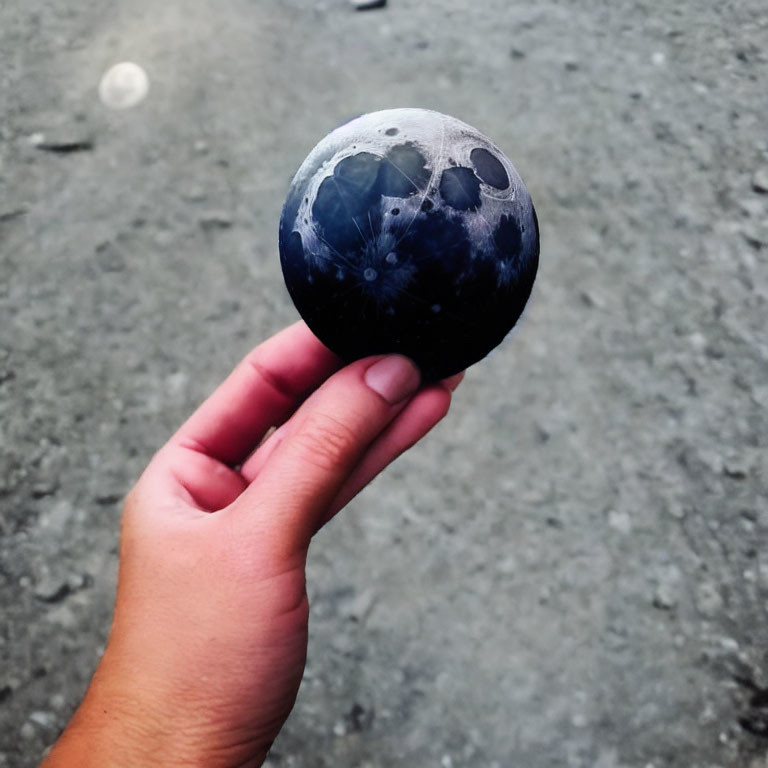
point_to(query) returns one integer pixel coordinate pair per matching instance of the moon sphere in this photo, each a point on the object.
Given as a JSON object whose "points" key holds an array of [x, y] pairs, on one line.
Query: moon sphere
{"points": [[408, 231]]}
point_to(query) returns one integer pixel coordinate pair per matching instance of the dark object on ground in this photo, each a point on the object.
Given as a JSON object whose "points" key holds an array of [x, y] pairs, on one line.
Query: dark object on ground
{"points": [[368, 5], [12, 214], [64, 146], [408, 231]]}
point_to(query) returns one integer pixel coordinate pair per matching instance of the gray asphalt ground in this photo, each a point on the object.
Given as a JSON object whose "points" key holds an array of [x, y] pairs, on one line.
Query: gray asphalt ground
{"points": [[572, 569]]}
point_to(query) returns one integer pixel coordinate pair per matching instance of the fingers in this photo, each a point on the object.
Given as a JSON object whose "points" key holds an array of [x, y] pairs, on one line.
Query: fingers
{"points": [[452, 382], [424, 410], [196, 479], [253, 464], [329, 435], [417, 418], [262, 391]]}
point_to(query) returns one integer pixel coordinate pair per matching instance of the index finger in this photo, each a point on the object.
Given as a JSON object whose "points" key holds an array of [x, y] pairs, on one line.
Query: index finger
{"points": [[262, 391]]}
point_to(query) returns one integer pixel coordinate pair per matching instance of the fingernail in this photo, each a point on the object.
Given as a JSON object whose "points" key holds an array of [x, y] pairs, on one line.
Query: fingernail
{"points": [[394, 378], [452, 382]]}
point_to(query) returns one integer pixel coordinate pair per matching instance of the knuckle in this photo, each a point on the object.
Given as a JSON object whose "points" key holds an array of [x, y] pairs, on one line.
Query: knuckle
{"points": [[326, 442], [270, 377]]}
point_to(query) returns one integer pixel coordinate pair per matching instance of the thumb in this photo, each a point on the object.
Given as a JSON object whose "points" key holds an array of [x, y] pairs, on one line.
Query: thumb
{"points": [[323, 443]]}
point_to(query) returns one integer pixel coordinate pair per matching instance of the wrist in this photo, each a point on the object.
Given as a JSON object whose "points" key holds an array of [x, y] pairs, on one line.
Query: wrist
{"points": [[108, 733], [113, 730]]}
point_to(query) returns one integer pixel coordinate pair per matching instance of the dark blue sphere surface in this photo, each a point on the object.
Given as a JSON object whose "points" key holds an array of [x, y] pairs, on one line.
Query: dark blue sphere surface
{"points": [[409, 231]]}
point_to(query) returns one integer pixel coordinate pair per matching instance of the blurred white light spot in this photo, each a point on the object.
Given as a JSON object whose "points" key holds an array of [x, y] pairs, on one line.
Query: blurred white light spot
{"points": [[658, 59], [124, 86]]}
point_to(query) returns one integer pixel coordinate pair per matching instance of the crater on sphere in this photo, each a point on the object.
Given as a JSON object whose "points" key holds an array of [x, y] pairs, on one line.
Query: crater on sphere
{"points": [[439, 245], [344, 196], [347, 201], [294, 248], [403, 172], [357, 175], [489, 168], [460, 189], [508, 237]]}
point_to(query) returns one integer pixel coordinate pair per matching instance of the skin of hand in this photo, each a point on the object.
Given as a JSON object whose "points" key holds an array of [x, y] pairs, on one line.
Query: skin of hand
{"points": [[209, 636]]}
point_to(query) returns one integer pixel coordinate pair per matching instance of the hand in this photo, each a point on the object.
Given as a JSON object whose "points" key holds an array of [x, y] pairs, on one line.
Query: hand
{"points": [[209, 636]]}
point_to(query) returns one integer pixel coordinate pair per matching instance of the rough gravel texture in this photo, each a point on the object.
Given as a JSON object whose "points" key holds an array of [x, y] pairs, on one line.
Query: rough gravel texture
{"points": [[572, 569]]}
